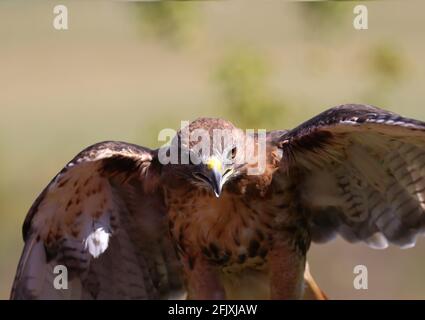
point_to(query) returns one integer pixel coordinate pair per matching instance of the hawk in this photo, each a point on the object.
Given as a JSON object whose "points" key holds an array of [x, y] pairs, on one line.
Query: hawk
{"points": [[128, 226]]}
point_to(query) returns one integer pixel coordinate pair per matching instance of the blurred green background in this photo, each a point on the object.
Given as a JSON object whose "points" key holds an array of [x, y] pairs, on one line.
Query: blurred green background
{"points": [[123, 71]]}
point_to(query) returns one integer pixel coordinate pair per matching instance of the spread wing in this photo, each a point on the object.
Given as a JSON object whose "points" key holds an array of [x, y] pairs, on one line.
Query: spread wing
{"points": [[101, 217], [359, 172]]}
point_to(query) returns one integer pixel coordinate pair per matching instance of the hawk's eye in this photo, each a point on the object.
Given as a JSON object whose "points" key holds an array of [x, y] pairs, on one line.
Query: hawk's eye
{"points": [[232, 153]]}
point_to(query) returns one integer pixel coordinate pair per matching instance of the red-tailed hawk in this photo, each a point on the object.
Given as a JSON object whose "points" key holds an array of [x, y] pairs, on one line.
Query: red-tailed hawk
{"points": [[126, 225]]}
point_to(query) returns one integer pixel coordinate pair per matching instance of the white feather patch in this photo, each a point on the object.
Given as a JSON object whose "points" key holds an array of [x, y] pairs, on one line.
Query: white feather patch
{"points": [[97, 242], [377, 241]]}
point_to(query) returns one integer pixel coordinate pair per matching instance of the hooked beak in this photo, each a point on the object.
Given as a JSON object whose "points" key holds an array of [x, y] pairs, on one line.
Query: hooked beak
{"points": [[215, 167], [216, 182], [214, 179]]}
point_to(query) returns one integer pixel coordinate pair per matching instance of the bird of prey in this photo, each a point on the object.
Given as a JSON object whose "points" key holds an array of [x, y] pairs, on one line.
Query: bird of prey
{"points": [[127, 226]]}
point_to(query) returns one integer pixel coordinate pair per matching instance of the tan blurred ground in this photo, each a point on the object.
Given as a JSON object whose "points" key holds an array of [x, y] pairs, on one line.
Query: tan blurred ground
{"points": [[109, 77]]}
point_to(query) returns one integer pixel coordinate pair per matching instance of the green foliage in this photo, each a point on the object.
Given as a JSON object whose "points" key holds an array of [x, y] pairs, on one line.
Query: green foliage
{"points": [[386, 65], [387, 62], [171, 21], [242, 79], [323, 17]]}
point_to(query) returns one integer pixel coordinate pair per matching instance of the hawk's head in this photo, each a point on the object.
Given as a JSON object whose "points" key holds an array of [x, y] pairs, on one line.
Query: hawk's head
{"points": [[211, 148]]}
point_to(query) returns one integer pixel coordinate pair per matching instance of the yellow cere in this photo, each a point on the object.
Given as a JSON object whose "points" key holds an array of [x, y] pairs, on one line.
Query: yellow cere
{"points": [[214, 164]]}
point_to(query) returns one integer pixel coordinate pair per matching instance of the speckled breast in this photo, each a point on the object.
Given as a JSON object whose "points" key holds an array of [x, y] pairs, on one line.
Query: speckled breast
{"points": [[232, 231]]}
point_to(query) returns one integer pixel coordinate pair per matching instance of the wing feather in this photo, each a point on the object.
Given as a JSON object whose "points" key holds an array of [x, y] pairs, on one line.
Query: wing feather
{"points": [[361, 174], [103, 218]]}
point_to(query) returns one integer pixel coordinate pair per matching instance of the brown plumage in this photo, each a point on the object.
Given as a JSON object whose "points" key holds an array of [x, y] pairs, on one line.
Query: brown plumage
{"points": [[128, 225]]}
